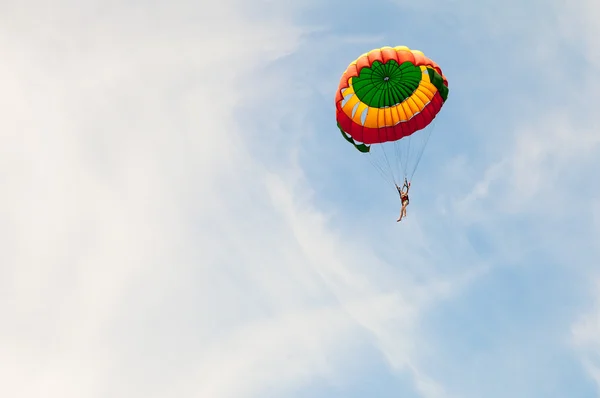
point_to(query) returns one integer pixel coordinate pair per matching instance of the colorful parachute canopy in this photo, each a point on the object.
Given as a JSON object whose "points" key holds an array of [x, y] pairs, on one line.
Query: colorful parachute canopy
{"points": [[388, 94]]}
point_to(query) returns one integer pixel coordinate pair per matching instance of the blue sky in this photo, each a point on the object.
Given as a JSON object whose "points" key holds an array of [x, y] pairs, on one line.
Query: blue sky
{"points": [[181, 217]]}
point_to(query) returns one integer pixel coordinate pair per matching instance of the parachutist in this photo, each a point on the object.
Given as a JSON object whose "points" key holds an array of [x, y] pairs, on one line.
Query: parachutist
{"points": [[403, 198], [385, 97]]}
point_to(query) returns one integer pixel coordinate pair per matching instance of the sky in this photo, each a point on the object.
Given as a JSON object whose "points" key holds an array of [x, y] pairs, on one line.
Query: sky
{"points": [[180, 217]]}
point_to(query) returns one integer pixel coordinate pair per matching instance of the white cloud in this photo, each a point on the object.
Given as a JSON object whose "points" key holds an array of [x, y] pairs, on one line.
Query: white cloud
{"points": [[149, 251], [578, 22], [531, 189], [541, 164], [539, 193], [586, 339], [146, 250]]}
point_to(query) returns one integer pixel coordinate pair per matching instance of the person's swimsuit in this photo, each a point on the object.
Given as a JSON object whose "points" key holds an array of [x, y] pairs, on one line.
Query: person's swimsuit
{"points": [[403, 196]]}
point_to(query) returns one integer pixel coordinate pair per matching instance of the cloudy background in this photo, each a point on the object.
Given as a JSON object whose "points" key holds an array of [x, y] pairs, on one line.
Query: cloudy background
{"points": [[179, 216]]}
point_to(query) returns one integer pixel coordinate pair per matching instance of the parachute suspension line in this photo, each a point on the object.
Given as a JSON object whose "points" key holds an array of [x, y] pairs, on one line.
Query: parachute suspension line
{"points": [[388, 164], [407, 155], [386, 176], [387, 173], [391, 175], [373, 160], [399, 157], [402, 154], [384, 152], [429, 129]]}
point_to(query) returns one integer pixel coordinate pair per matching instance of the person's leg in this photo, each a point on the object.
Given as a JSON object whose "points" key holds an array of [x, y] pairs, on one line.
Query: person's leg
{"points": [[402, 212]]}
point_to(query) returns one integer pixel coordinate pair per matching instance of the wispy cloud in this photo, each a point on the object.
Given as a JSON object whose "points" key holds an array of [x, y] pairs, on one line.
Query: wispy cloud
{"points": [[179, 216], [148, 250], [586, 339]]}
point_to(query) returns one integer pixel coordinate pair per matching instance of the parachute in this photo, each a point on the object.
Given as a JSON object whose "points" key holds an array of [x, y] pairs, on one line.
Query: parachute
{"points": [[384, 98]]}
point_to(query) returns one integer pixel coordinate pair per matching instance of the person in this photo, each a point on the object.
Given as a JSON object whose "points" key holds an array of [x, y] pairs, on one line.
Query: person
{"points": [[403, 198]]}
